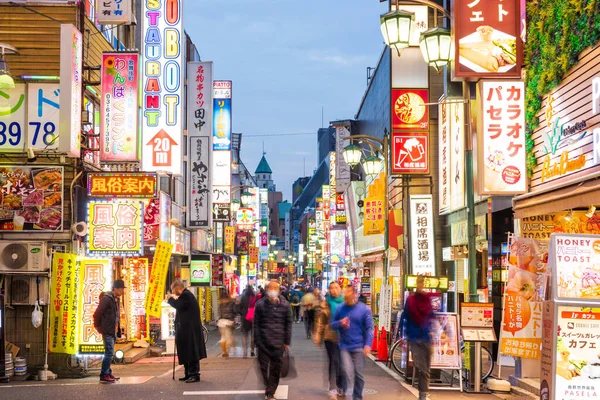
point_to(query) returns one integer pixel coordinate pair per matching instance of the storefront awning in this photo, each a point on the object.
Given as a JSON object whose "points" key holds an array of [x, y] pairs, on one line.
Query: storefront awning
{"points": [[579, 195]]}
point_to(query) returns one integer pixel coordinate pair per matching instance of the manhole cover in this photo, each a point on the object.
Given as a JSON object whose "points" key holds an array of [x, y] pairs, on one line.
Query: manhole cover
{"points": [[369, 391]]}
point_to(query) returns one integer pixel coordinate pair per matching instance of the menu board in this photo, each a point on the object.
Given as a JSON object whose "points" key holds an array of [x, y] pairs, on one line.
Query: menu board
{"points": [[478, 335], [477, 315], [576, 260], [577, 353], [444, 340], [31, 198]]}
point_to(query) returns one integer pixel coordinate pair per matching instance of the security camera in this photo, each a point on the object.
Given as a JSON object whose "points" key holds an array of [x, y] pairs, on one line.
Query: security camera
{"points": [[31, 157]]}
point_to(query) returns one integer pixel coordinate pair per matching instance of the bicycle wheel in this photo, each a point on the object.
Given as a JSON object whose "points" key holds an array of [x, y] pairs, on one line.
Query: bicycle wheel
{"points": [[487, 362], [396, 356], [205, 333]]}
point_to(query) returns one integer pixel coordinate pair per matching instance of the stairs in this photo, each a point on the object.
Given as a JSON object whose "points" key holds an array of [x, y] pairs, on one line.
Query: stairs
{"points": [[132, 354], [525, 388]]}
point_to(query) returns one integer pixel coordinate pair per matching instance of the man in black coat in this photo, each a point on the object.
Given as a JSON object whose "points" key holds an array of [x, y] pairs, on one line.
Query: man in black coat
{"points": [[188, 331], [273, 335]]}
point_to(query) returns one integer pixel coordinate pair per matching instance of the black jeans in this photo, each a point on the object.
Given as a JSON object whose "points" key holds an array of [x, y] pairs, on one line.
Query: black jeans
{"points": [[309, 320], [296, 313], [270, 368], [336, 376], [421, 352], [192, 369]]}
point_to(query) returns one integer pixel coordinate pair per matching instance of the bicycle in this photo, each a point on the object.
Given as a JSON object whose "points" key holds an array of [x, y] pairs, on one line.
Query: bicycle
{"points": [[487, 361], [205, 333]]}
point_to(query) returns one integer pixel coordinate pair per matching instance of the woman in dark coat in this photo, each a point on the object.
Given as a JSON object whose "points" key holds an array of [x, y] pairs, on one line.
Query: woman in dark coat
{"points": [[188, 331]]}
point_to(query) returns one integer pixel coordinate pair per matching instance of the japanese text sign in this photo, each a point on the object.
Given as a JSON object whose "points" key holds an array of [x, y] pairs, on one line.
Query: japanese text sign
{"points": [[181, 240], [96, 278], [410, 153], [122, 184], [502, 158], [13, 120], [217, 271], [410, 110], [158, 278], [199, 186], [222, 89], [374, 223], [486, 39], [253, 255], [222, 124], [343, 169], [32, 198], [162, 83], [200, 98], [115, 228], [221, 212], [451, 155], [63, 303], [151, 221], [521, 335], [422, 235], [444, 157], [444, 341], [119, 111], [242, 243], [229, 239], [245, 219], [137, 284], [112, 12], [71, 64]]}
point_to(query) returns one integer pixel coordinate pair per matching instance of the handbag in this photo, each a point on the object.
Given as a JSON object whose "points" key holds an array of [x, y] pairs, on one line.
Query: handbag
{"points": [[288, 366], [250, 313]]}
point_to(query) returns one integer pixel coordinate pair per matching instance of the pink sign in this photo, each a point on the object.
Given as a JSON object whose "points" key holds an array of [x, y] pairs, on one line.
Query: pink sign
{"points": [[119, 123]]}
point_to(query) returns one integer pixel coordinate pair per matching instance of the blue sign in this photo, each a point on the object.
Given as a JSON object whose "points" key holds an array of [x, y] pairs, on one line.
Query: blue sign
{"points": [[222, 124]]}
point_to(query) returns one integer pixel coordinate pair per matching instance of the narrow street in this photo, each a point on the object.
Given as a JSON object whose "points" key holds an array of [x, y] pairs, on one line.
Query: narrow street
{"points": [[227, 379]]}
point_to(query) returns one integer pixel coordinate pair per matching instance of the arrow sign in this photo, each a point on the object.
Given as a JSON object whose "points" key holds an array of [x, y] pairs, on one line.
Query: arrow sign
{"points": [[162, 146]]}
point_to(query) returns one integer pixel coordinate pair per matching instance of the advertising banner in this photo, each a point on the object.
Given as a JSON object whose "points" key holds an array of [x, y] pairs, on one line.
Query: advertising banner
{"points": [[71, 65], [374, 223], [409, 109], [217, 271], [422, 235], [115, 228], [200, 270], [410, 153], [200, 215], [180, 238], [229, 239], [151, 221], [444, 340], [501, 160], [541, 227], [64, 308], [521, 335], [32, 198], [222, 89], [119, 111], [487, 43], [43, 117], [95, 277], [343, 169], [122, 184], [14, 119], [200, 98], [222, 124], [137, 283], [221, 212], [444, 157], [113, 12], [245, 219], [253, 255], [158, 278], [242, 243], [162, 83], [573, 260]]}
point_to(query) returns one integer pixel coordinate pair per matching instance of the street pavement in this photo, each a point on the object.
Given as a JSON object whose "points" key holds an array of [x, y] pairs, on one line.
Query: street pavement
{"points": [[233, 378]]}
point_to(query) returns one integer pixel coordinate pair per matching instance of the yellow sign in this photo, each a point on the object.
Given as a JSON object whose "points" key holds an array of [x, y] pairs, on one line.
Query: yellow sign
{"points": [[229, 239], [115, 184], [95, 277], [562, 166], [253, 254], [374, 223], [158, 278], [63, 303], [542, 226], [115, 228]]}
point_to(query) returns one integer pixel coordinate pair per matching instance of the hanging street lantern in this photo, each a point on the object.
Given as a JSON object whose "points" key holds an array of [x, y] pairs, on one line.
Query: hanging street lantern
{"points": [[246, 198], [235, 205], [352, 155], [396, 27], [372, 165], [436, 47]]}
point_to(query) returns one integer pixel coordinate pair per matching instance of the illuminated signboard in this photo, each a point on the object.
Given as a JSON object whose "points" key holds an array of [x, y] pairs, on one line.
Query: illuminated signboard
{"points": [[181, 240], [222, 124], [118, 122], [245, 219], [137, 284], [96, 278], [422, 235], [71, 50], [162, 103], [115, 228], [122, 184], [200, 271], [409, 109]]}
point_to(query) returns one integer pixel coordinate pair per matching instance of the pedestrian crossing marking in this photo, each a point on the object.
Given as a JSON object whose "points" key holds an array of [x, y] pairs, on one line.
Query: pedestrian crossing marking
{"points": [[280, 394]]}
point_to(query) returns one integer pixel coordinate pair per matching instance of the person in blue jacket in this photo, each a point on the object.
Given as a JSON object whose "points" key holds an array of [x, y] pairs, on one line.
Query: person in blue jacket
{"points": [[354, 322]]}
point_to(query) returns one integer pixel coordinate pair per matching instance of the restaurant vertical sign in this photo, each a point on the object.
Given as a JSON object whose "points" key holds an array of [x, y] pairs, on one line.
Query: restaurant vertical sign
{"points": [[64, 304], [119, 123], [422, 235]]}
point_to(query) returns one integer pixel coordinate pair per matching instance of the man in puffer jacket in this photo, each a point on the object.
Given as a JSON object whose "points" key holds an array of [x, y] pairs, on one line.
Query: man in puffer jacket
{"points": [[273, 335]]}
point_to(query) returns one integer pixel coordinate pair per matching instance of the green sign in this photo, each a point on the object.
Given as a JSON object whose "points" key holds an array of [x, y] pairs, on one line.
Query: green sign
{"points": [[431, 282], [200, 272]]}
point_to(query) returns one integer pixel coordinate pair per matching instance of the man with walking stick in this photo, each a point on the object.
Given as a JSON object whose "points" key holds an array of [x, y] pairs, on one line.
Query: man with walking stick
{"points": [[189, 339]]}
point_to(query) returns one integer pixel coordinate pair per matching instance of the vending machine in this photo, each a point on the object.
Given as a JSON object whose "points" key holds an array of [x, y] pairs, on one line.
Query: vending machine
{"points": [[570, 361]]}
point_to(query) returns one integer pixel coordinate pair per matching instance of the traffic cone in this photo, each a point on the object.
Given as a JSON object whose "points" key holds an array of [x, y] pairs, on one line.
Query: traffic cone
{"points": [[382, 350], [374, 344]]}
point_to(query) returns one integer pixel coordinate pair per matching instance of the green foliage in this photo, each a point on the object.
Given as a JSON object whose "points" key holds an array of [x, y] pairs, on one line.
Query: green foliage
{"points": [[557, 32]]}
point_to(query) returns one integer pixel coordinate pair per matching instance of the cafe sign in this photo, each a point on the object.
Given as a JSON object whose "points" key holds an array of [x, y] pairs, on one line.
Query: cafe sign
{"points": [[122, 184]]}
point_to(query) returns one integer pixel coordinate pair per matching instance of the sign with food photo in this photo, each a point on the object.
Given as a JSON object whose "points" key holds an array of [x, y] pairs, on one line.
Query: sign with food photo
{"points": [[32, 198], [409, 109], [486, 39], [575, 264]]}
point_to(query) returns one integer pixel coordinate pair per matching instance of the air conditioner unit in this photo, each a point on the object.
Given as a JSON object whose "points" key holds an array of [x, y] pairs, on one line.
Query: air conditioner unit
{"points": [[23, 291], [22, 257]]}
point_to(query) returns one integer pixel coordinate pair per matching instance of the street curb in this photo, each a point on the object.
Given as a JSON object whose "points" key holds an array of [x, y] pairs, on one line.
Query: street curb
{"points": [[414, 391]]}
